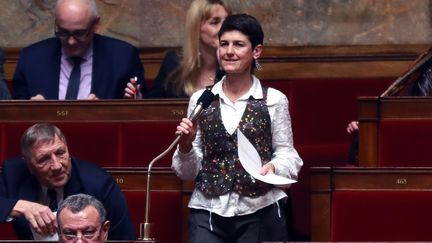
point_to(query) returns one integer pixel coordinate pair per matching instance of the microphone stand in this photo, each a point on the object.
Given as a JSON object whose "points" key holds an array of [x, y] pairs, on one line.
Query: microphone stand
{"points": [[202, 103], [145, 228]]}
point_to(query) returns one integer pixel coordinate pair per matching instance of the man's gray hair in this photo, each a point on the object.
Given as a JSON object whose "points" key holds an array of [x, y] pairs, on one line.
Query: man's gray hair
{"points": [[39, 132], [78, 202]]}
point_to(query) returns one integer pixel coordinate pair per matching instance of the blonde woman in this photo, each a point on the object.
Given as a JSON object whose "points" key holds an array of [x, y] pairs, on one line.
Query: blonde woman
{"points": [[197, 66]]}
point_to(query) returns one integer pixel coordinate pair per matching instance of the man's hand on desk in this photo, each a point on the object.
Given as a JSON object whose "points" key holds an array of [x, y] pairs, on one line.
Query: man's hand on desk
{"points": [[92, 97], [39, 216], [38, 97], [41, 97]]}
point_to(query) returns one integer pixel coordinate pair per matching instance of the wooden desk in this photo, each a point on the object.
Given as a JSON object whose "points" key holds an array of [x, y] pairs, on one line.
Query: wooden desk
{"points": [[373, 111], [110, 133], [327, 182], [97, 110]]}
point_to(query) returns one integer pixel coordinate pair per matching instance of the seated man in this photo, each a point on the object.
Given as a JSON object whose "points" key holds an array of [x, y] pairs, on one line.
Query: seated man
{"points": [[32, 186], [82, 217], [77, 63], [4, 91]]}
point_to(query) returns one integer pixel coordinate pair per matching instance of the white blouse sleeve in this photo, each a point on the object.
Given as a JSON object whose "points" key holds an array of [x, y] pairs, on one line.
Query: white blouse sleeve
{"points": [[285, 158], [187, 165]]}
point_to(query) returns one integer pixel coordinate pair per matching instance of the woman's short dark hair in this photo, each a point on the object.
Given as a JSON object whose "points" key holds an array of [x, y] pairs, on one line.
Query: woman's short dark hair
{"points": [[247, 25]]}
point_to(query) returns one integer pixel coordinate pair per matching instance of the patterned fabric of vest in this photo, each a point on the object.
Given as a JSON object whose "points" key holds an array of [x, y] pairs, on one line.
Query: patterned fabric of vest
{"points": [[221, 167]]}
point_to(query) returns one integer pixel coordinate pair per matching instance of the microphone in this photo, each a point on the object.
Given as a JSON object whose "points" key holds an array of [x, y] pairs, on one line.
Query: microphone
{"points": [[203, 102]]}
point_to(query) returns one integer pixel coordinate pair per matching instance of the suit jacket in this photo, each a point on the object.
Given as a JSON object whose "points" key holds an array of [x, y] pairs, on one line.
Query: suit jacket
{"points": [[4, 91], [17, 183], [114, 63]]}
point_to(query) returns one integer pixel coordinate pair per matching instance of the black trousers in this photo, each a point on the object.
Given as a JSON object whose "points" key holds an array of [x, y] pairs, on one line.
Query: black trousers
{"points": [[265, 225]]}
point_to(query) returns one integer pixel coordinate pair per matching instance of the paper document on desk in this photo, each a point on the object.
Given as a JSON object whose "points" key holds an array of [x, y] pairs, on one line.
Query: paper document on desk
{"points": [[251, 162]]}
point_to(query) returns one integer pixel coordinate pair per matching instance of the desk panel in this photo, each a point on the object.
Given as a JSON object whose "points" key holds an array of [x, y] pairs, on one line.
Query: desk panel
{"points": [[371, 204]]}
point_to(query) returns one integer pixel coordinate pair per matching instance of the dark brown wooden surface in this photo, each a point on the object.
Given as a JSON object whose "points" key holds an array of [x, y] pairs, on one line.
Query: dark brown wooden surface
{"points": [[97, 110]]}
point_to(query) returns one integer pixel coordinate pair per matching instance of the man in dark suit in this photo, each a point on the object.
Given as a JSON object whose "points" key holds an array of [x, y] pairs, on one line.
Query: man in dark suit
{"points": [[4, 91], [31, 187], [47, 69]]}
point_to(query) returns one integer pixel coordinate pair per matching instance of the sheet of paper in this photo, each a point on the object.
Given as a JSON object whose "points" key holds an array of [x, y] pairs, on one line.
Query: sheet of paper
{"points": [[251, 162]]}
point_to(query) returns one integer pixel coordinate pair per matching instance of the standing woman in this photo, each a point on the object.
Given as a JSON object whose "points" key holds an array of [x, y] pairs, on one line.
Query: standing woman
{"points": [[180, 77], [227, 204]]}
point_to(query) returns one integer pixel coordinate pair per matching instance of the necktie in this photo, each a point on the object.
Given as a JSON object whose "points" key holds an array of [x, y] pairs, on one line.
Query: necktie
{"points": [[53, 199], [74, 79]]}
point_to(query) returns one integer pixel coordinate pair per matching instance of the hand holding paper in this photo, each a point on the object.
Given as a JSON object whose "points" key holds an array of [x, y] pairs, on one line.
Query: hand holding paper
{"points": [[251, 162]]}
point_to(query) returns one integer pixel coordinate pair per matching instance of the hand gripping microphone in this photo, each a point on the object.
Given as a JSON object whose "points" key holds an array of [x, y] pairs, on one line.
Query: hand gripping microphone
{"points": [[203, 102]]}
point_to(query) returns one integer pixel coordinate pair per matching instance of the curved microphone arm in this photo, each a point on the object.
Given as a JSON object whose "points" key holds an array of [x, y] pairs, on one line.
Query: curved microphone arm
{"points": [[145, 229], [203, 102]]}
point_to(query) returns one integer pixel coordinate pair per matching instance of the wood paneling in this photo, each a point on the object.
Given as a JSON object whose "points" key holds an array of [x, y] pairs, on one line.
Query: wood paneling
{"points": [[299, 61]]}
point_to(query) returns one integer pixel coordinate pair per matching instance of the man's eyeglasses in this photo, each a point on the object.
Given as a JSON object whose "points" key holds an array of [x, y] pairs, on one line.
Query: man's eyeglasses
{"points": [[79, 35], [89, 234]]}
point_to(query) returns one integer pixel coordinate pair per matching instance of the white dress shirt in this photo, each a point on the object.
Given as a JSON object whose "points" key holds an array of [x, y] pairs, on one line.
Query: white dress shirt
{"points": [[285, 158]]}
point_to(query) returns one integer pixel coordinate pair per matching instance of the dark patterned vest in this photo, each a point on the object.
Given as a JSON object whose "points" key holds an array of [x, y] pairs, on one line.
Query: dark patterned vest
{"points": [[221, 169]]}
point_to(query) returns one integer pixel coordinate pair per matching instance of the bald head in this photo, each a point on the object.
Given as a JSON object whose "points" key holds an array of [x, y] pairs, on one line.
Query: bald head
{"points": [[77, 10]]}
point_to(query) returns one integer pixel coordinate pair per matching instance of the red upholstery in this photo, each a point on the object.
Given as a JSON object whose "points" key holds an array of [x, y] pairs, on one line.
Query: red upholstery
{"points": [[142, 142], [281, 85], [7, 232], [381, 216], [312, 155], [102, 149], [405, 143], [320, 110], [104, 143], [93, 141], [165, 213], [11, 135]]}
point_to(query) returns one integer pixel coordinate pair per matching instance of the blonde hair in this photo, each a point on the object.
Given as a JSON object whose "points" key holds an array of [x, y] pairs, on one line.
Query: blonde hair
{"points": [[185, 77]]}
